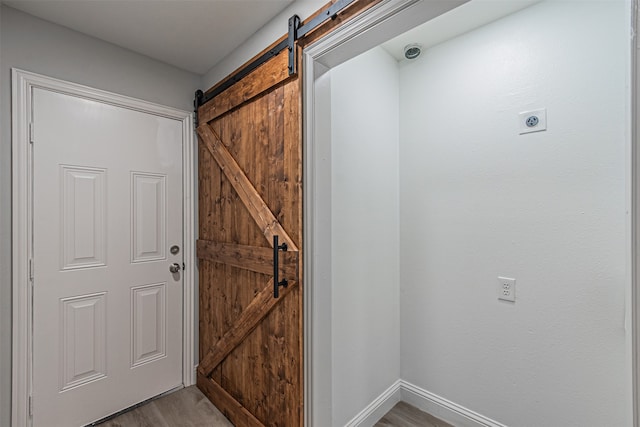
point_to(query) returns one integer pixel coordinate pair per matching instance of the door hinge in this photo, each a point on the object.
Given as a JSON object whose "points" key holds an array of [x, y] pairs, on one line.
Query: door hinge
{"points": [[31, 132], [30, 406], [31, 270]]}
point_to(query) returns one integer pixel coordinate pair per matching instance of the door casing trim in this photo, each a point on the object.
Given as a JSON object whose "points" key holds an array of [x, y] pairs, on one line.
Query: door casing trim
{"points": [[634, 188], [23, 82]]}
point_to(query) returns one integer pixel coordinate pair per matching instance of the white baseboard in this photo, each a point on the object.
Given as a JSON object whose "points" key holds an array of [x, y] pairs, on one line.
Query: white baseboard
{"points": [[376, 409], [422, 399], [442, 408]]}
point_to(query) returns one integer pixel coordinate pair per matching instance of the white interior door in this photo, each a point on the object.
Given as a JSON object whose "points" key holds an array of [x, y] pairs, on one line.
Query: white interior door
{"points": [[107, 312]]}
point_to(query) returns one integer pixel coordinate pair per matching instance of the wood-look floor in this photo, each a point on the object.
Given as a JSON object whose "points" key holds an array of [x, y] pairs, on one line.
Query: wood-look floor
{"points": [[184, 408], [405, 415], [190, 408]]}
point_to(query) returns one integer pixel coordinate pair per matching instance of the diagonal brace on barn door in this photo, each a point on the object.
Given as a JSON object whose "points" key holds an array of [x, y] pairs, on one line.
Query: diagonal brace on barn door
{"points": [[250, 318], [227, 404], [257, 207]]}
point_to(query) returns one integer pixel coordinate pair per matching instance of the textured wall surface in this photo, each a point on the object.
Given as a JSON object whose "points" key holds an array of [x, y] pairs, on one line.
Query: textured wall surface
{"points": [[365, 219], [549, 209]]}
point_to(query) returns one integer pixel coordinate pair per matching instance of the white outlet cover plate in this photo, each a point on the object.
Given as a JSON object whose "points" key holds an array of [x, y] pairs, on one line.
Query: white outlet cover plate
{"points": [[506, 289], [541, 114]]}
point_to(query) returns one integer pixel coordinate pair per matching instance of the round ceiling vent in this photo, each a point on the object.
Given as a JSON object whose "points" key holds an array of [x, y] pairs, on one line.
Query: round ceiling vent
{"points": [[412, 51]]}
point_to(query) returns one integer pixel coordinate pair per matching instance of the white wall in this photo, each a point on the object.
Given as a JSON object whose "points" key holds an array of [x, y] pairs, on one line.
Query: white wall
{"points": [[549, 209], [364, 234], [34, 45]]}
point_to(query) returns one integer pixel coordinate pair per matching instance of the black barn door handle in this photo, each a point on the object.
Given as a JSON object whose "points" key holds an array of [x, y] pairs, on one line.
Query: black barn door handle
{"points": [[276, 249]]}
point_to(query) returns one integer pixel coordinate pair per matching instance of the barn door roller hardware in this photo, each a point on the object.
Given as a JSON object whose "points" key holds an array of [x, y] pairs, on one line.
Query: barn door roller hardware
{"points": [[296, 32]]}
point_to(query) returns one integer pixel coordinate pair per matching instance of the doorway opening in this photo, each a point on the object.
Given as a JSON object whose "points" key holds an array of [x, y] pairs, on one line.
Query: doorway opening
{"points": [[433, 187]]}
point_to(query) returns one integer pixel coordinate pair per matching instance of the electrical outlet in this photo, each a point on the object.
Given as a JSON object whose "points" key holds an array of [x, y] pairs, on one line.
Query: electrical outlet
{"points": [[506, 289]]}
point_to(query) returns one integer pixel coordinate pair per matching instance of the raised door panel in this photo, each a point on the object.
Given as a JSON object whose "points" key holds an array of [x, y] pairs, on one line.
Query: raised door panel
{"points": [[149, 323], [149, 217], [83, 340], [83, 204]]}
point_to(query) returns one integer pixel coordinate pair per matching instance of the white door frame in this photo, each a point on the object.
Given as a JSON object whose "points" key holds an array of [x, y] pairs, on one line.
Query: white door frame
{"points": [[635, 210], [23, 82], [376, 25]]}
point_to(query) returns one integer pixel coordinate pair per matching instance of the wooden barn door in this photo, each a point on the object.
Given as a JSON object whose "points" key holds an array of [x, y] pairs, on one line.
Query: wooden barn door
{"points": [[250, 190]]}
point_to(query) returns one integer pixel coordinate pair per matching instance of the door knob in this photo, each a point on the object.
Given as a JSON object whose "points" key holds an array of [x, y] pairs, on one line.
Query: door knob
{"points": [[174, 268]]}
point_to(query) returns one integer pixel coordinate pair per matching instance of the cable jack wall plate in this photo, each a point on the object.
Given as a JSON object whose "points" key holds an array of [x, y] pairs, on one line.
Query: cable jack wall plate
{"points": [[533, 121]]}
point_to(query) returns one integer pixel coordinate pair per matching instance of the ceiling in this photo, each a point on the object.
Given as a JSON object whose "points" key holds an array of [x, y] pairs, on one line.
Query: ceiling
{"points": [[195, 35], [460, 20], [190, 34]]}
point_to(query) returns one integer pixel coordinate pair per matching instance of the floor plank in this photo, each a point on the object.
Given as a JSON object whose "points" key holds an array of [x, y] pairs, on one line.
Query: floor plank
{"points": [[184, 408], [190, 408], [405, 415]]}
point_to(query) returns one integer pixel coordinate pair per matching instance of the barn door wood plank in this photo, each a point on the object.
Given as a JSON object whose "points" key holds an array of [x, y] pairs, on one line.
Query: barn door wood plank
{"points": [[258, 81], [247, 257], [291, 195], [229, 406], [250, 318], [258, 209]]}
